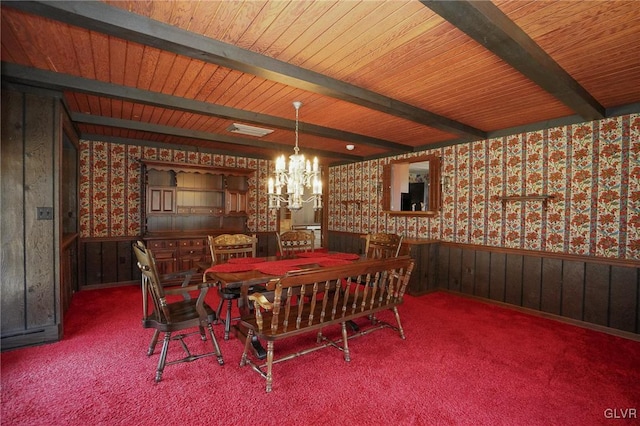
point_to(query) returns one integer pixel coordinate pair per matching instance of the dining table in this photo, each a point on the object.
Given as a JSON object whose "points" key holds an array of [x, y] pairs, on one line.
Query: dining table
{"points": [[247, 272]]}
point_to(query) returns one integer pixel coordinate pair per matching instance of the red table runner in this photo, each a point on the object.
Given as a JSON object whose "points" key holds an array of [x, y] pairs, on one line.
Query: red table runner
{"points": [[281, 267], [231, 267], [246, 260]]}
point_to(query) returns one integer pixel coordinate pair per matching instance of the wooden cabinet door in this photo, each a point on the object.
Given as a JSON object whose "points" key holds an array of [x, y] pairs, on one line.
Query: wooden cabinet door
{"points": [[166, 266], [161, 200], [236, 202], [164, 252]]}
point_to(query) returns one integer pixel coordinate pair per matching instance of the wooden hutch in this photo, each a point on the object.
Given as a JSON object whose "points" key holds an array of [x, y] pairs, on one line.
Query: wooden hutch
{"points": [[183, 203]]}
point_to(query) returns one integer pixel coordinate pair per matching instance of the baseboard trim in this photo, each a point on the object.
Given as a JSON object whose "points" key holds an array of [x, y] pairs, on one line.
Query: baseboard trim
{"points": [[571, 321], [35, 337]]}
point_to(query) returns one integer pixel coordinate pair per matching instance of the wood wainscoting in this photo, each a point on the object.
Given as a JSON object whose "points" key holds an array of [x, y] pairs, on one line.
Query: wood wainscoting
{"points": [[599, 291], [104, 262], [423, 251], [594, 291]]}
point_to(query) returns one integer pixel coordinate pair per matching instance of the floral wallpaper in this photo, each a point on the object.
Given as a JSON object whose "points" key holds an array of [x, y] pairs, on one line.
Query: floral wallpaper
{"points": [[592, 170], [110, 186]]}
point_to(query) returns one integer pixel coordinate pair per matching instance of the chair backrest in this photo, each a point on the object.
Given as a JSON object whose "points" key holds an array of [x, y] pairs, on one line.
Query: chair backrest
{"points": [[364, 285], [151, 286], [293, 242], [380, 245], [227, 246]]}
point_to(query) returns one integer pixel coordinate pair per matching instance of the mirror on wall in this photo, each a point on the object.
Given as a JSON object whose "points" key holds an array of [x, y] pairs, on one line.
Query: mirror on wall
{"points": [[412, 186]]}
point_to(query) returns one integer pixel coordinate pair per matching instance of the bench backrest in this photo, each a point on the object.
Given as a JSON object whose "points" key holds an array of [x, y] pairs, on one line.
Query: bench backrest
{"points": [[311, 297]]}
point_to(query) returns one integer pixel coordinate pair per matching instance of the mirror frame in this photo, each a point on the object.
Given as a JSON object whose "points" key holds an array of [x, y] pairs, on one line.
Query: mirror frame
{"points": [[435, 190]]}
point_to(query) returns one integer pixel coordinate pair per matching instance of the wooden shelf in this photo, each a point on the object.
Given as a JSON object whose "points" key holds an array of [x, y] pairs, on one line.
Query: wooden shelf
{"points": [[544, 198], [418, 213], [181, 198]]}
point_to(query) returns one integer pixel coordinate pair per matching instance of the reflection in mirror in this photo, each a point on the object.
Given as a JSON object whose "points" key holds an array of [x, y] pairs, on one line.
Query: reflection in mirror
{"points": [[413, 186], [411, 183]]}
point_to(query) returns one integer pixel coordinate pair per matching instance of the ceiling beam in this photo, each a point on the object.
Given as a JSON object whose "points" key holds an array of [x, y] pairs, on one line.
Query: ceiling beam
{"points": [[57, 81], [488, 25], [196, 134], [100, 17]]}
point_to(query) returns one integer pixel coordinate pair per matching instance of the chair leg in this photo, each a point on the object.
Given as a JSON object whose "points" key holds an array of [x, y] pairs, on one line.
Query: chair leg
{"points": [[154, 341], [163, 356], [219, 310], [243, 359], [400, 330], [227, 320], [269, 365], [203, 335], [345, 344], [214, 342]]}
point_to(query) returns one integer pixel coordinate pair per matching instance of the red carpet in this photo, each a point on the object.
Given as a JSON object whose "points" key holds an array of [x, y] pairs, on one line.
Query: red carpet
{"points": [[464, 362]]}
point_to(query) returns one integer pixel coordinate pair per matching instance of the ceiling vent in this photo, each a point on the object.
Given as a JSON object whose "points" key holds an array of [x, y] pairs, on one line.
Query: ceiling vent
{"points": [[243, 129]]}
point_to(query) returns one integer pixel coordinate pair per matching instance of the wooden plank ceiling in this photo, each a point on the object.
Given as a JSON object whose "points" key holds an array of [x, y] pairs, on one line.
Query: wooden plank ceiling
{"points": [[386, 76]]}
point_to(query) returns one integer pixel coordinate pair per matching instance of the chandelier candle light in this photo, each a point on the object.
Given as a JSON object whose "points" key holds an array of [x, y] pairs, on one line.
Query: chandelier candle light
{"points": [[299, 175]]}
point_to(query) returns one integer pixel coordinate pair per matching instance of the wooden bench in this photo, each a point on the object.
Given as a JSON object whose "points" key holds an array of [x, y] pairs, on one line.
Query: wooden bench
{"points": [[308, 301]]}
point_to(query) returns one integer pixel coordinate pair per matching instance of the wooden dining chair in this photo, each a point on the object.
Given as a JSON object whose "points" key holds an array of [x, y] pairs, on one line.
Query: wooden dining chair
{"points": [[171, 316], [224, 247], [381, 245], [290, 243]]}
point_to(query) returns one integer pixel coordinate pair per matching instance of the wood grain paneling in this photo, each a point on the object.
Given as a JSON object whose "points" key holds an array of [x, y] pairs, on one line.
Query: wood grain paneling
{"points": [[126, 266], [443, 266], [424, 275], [38, 192], [91, 263], [572, 289], [12, 229], [551, 286], [109, 262], [578, 289], [513, 276], [498, 277], [625, 299], [467, 271], [531, 282], [482, 273], [421, 262], [596, 293], [592, 290], [455, 268], [31, 268]]}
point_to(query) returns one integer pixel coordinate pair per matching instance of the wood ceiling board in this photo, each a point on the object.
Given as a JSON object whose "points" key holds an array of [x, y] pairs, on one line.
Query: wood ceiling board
{"points": [[94, 16], [149, 114], [487, 24], [572, 35], [26, 42], [354, 118], [343, 41], [463, 77], [411, 57]]}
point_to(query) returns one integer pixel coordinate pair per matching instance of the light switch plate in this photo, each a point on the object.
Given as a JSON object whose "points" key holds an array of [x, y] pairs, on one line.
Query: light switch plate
{"points": [[45, 213]]}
